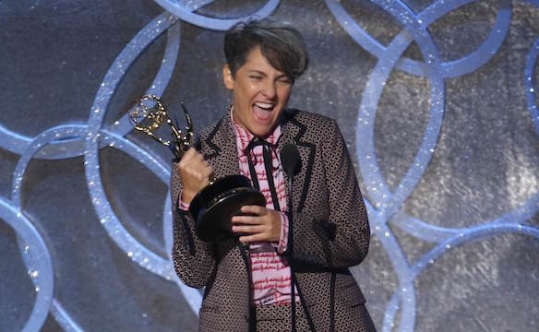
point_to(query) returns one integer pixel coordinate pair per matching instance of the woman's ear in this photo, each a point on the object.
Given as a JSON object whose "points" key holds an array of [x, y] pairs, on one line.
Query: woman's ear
{"points": [[228, 79]]}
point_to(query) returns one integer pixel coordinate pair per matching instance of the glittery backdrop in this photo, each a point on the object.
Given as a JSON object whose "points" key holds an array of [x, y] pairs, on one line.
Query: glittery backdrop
{"points": [[437, 101]]}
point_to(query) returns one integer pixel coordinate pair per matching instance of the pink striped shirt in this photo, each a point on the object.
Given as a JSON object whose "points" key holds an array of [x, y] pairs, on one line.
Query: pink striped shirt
{"points": [[270, 271]]}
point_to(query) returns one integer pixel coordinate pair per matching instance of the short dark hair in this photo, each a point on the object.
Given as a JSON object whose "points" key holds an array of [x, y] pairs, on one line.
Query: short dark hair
{"points": [[280, 43]]}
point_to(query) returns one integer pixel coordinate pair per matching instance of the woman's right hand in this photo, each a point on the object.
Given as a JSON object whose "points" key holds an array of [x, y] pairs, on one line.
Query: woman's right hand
{"points": [[195, 174]]}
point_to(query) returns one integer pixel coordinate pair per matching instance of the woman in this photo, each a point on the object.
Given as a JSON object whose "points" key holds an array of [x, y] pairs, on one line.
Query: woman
{"points": [[287, 269]]}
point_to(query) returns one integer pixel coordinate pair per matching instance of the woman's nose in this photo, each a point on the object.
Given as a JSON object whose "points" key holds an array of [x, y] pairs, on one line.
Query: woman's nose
{"points": [[269, 90]]}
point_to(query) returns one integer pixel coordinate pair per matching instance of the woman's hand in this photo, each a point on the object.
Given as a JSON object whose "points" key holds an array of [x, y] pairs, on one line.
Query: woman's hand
{"points": [[257, 224], [195, 174]]}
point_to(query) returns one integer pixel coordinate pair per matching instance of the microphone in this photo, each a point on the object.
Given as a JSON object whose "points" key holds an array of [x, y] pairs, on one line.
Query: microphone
{"points": [[290, 160]]}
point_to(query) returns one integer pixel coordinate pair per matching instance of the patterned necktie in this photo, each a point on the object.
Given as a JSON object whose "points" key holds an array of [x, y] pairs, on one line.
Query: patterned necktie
{"points": [[267, 150]]}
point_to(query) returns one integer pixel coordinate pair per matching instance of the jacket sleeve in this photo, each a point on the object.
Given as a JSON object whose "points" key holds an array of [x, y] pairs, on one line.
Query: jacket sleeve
{"points": [[193, 259], [338, 238]]}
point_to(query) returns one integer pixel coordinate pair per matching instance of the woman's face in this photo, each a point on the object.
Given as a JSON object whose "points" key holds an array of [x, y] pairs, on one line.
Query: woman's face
{"points": [[260, 93]]}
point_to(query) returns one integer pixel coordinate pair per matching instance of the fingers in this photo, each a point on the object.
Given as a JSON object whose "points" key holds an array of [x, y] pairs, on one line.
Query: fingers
{"points": [[194, 165], [257, 224], [250, 211], [194, 172]]}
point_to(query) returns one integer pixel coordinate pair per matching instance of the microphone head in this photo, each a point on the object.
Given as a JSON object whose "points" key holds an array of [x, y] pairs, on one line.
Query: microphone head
{"points": [[290, 159]]}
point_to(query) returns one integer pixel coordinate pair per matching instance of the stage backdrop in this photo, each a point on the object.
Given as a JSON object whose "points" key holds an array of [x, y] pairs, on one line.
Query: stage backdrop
{"points": [[437, 101]]}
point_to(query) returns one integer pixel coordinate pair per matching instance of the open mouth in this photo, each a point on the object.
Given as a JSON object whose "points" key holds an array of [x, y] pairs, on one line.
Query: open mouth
{"points": [[264, 106], [263, 111]]}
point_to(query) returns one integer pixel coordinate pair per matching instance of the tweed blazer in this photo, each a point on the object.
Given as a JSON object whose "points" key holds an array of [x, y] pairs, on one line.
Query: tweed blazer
{"points": [[330, 231]]}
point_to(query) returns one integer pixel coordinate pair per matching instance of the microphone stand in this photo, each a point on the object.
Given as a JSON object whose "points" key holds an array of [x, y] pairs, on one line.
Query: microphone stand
{"points": [[291, 251], [291, 163]]}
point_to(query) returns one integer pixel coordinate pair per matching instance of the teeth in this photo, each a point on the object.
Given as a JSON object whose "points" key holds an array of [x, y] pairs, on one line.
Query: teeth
{"points": [[264, 105]]}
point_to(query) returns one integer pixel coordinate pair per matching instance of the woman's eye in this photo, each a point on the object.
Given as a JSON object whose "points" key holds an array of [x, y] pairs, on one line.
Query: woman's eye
{"points": [[255, 77]]}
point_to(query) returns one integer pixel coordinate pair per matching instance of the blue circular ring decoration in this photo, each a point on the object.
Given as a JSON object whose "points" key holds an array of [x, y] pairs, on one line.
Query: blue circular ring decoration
{"points": [[37, 259], [530, 83], [187, 15], [432, 13]]}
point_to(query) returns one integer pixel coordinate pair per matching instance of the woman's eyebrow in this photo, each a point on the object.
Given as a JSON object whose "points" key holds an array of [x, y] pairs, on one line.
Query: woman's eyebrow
{"points": [[259, 72], [256, 71]]}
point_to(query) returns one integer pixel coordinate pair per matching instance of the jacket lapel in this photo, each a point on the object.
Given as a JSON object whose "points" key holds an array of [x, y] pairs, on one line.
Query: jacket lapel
{"points": [[221, 150], [293, 131]]}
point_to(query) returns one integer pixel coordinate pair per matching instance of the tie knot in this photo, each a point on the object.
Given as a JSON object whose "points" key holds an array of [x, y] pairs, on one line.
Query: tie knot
{"points": [[268, 151], [258, 142]]}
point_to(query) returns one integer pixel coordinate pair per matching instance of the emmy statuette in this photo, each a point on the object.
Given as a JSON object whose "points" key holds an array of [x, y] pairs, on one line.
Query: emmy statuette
{"points": [[214, 206]]}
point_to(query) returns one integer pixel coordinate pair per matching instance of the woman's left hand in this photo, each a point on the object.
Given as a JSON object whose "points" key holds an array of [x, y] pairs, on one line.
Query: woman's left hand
{"points": [[257, 224]]}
